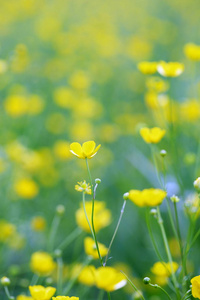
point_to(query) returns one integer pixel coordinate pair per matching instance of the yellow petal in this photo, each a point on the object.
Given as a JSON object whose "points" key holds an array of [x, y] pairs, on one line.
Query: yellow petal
{"points": [[95, 151], [76, 149], [145, 134], [88, 148]]}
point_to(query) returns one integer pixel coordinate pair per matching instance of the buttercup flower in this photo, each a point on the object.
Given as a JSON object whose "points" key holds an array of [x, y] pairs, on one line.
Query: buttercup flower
{"points": [[42, 263], [38, 223], [102, 216], [147, 197], [23, 297], [171, 69], [109, 279], [153, 135], [87, 150], [147, 67], [26, 188], [38, 292], [90, 248], [65, 298], [87, 275], [83, 187], [164, 269], [195, 281], [192, 51]]}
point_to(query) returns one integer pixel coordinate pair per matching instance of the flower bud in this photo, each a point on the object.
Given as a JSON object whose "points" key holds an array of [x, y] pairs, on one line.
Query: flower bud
{"points": [[197, 184], [146, 280], [175, 199], [97, 180], [5, 281], [48, 281], [163, 153], [58, 253], [60, 210], [125, 196], [153, 212]]}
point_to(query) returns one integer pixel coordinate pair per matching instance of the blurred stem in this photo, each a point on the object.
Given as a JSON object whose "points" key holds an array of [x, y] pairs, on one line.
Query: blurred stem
{"points": [[34, 280], [73, 281], [83, 197], [115, 232], [92, 217], [8, 293], [163, 290], [70, 238], [156, 165], [186, 295], [160, 223], [133, 286], [59, 275], [179, 239], [171, 218], [53, 231], [101, 293]]}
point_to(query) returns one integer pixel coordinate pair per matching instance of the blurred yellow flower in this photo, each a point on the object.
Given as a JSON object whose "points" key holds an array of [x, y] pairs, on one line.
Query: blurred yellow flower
{"points": [[23, 297], [153, 135], [16, 105], [195, 281], [87, 150], [26, 188], [90, 248], [38, 292], [102, 216], [17, 242], [62, 150], [109, 279], [79, 80], [65, 298], [42, 263], [64, 97], [171, 69], [83, 187], [190, 110], [86, 275], [7, 230], [35, 105], [164, 269], [156, 84], [192, 51], [147, 67], [148, 197], [38, 223]]}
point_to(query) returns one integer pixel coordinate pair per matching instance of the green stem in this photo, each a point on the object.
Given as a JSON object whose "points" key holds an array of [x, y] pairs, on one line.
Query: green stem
{"points": [[115, 232], [156, 165], [159, 287], [133, 286], [34, 280], [171, 218], [92, 217], [70, 238], [59, 275], [53, 231], [101, 294], [83, 198], [8, 293], [160, 223]]}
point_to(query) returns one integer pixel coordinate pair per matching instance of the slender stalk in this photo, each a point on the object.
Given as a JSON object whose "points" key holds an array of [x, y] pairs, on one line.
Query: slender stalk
{"points": [[83, 198], [160, 223], [59, 275], [101, 294], [115, 232], [133, 286], [70, 238], [8, 293], [163, 290], [53, 231], [34, 280], [92, 217]]}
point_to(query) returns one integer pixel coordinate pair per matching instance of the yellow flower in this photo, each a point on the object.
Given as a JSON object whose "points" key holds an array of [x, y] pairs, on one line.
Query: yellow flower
{"points": [[147, 67], [156, 84], [171, 69], [83, 187], [65, 298], [42, 263], [38, 292], [7, 230], [196, 286], [23, 297], [192, 51], [153, 135], [90, 248], [16, 105], [61, 150], [190, 110], [86, 276], [109, 279], [79, 80], [164, 269], [147, 197], [87, 150], [102, 216], [26, 188], [38, 223]]}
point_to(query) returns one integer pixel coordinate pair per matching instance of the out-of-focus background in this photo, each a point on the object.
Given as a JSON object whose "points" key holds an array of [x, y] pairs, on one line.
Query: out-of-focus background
{"points": [[68, 73]]}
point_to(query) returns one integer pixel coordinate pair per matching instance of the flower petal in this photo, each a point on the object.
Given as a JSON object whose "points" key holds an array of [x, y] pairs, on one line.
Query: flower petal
{"points": [[88, 148], [76, 149]]}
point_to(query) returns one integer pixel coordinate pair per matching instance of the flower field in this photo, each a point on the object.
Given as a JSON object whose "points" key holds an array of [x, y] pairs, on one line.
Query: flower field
{"points": [[100, 150]]}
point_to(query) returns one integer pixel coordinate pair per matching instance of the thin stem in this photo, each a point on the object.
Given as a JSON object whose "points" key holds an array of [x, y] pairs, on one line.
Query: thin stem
{"points": [[35, 279], [115, 232], [83, 198], [53, 231], [8, 293], [133, 286], [156, 166], [92, 217], [159, 287], [70, 238], [60, 275], [101, 294], [160, 223], [108, 294]]}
